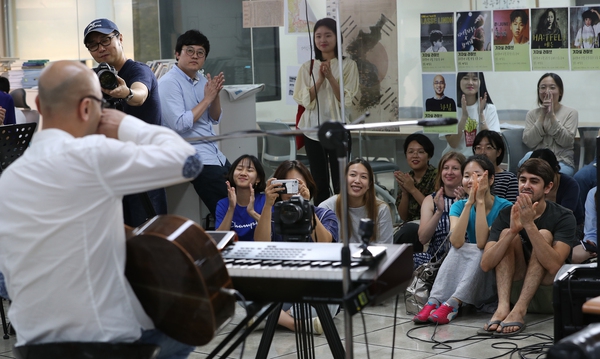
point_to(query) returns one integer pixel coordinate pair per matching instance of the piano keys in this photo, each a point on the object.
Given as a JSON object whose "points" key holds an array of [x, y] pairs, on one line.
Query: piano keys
{"points": [[312, 272]]}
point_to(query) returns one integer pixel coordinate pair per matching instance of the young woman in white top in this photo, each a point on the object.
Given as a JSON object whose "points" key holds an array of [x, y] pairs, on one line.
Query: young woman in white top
{"points": [[363, 203], [317, 88], [475, 104]]}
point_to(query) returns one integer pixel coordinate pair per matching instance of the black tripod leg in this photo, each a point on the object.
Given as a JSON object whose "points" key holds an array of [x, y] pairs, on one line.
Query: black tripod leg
{"points": [[243, 327], [331, 333], [269, 332]]}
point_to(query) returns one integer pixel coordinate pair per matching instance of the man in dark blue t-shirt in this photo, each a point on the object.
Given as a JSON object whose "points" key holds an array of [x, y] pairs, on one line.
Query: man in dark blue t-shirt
{"points": [[7, 105], [136, 95]]}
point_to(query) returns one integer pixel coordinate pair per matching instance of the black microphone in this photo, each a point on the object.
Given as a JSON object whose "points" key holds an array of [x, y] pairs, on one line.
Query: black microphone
{"points": [[437, 122]]}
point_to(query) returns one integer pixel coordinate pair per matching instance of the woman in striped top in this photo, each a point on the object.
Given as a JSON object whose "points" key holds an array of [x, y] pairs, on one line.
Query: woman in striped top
{"points": [[490, 144]]}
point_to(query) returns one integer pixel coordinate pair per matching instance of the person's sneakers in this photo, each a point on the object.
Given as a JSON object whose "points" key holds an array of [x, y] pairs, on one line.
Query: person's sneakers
{"points": [[423, 316], [444, 314], [317, 327]]}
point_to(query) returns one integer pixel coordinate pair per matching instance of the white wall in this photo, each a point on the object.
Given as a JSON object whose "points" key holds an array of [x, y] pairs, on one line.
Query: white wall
{"points": [[509, 90], [54, 29]]}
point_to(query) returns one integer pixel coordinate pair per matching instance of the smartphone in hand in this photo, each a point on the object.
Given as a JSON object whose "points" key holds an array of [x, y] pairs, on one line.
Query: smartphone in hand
{"points": [[589, 246]]}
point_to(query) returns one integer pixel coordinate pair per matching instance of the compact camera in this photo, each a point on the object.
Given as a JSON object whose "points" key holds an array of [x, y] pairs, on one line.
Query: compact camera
{"points": [[292, 219], [290, 186]]}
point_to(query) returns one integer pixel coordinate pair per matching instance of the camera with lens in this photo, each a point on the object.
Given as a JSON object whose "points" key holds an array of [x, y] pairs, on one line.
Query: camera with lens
{"points": [[108, 81], [107, 76], [293, 219]]}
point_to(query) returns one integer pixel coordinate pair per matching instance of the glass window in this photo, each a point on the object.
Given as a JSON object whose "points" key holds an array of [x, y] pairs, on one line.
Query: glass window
{"points": [[230, 44]]}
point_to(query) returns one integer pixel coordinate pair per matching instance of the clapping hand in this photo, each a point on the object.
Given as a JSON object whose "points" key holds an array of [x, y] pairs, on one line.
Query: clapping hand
{"points": [[213, 86], [483, 186], [439, 200], [459, 193], [405, 181], [473, 191], [325, 70], [231, 195]]}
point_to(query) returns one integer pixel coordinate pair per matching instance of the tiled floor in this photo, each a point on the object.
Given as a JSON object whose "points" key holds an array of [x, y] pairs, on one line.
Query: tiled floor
{"points": [[379, 326]]}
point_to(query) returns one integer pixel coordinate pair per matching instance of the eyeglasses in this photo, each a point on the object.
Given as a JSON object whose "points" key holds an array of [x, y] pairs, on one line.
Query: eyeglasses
{"points": [[103, 102], [191, 52], [439, 83], [93, 46], [543, 88], [487, 148], [418, 152]]}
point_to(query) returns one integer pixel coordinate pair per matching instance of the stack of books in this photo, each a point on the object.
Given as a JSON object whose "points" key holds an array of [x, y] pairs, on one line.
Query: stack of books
{"points": [[15, 75], [31, 72], [161, 67]]}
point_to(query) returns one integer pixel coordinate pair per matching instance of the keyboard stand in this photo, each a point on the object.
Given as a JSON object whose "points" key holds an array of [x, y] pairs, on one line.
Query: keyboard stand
{"points": [[329, 329], [273, 310]]}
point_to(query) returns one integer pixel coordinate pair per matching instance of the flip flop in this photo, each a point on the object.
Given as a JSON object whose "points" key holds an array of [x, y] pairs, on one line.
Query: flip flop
{"points": [[521, 326], [488, 332]]}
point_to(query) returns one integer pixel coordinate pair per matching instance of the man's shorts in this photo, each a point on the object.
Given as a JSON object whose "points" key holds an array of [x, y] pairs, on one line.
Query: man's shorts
{"points": [[541, 302]]}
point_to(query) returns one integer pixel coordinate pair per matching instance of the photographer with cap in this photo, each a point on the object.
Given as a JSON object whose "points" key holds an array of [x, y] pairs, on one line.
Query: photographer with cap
{"points": [[136, 93]]}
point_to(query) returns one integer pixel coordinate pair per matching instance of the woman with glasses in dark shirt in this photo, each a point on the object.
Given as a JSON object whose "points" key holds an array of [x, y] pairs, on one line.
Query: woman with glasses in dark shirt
{"points": [[490, 144]]}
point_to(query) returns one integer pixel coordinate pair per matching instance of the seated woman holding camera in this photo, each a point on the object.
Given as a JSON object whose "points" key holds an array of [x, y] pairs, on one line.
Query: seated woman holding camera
{"points": [[362, 203], [325, 225]]}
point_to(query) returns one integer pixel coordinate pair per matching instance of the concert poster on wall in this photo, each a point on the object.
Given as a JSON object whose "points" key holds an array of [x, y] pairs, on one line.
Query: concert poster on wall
{"points": [[437, 42], [549, 43], [439, 100], [511, 40], [474, 40], [584, 40]]}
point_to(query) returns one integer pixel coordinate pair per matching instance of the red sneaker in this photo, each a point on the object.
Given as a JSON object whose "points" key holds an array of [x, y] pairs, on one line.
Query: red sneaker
{"points": [[444, 314], [423, 316]]}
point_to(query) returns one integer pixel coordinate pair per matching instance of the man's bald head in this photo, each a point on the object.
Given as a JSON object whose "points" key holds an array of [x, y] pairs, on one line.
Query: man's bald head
{"points": [[439, 85], [62, 85]]}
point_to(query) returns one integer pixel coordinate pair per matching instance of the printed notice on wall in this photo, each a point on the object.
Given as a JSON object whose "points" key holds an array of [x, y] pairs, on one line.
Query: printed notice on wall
{"points": [[511, 40], [437, 42], [474, 40], [549, 43], [263, 13]]}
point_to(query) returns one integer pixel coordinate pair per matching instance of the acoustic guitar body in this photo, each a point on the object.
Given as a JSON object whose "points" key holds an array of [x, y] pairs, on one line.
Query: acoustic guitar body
{"points": [[176, 272]]}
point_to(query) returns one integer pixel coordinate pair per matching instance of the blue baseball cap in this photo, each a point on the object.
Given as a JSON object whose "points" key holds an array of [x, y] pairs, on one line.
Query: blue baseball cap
{"points": [[103, 26]]}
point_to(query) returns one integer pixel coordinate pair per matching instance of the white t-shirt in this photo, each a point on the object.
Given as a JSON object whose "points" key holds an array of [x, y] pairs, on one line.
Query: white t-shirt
{"points": [[491, 119], [63, 242], [385, 228]]}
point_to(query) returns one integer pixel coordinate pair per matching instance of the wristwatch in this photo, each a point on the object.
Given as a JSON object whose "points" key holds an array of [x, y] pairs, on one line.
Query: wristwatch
{"points": [[129, 97]]}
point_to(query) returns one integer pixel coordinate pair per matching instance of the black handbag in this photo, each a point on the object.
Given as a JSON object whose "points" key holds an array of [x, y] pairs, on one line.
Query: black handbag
{"points": [[417, 292]]}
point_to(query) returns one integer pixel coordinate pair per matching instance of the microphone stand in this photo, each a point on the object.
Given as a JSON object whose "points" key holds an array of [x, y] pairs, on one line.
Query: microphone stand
{"points": [[333, 136]]}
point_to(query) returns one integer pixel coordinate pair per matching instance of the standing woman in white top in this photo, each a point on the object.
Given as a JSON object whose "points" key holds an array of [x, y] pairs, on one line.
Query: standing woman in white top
{"points": [[319, 92], [362, 203], [480, 114]]}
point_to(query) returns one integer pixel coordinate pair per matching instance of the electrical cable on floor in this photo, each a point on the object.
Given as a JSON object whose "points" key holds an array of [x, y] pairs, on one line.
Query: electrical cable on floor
{"points": [[537, 349], [394, 326], [362, 315]]}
